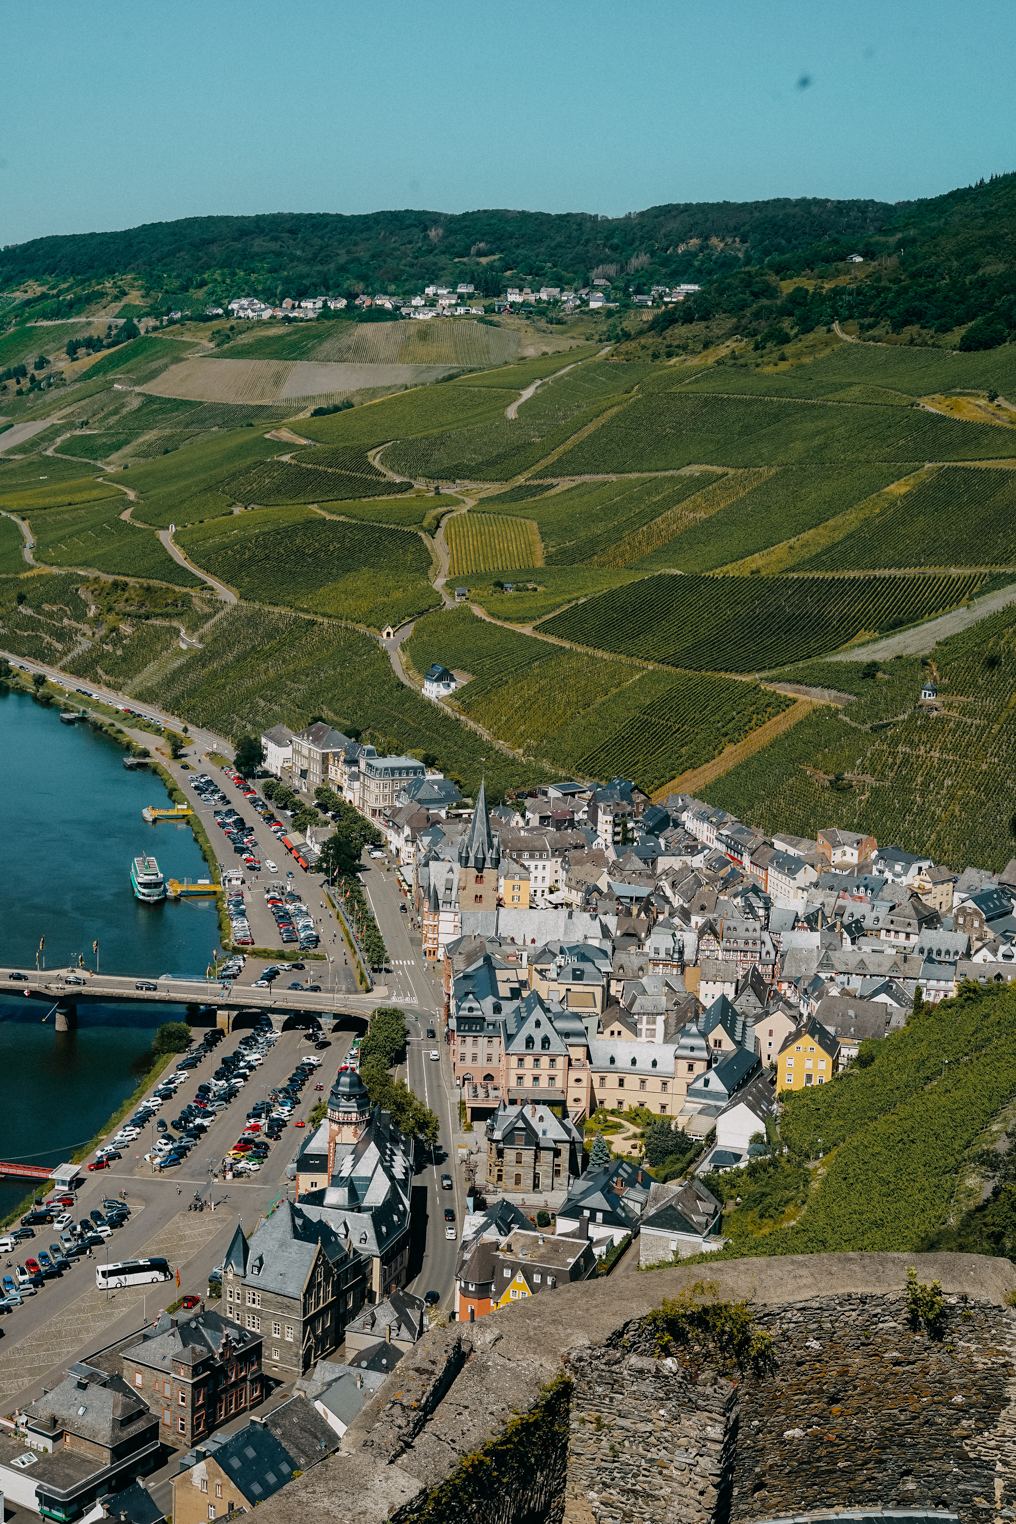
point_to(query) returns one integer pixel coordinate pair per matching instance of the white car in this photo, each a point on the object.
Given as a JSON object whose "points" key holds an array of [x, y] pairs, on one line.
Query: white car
{"points": [[435, 1055], [450, 1232], [8, 1244], [272, 867], [102, 1230]]}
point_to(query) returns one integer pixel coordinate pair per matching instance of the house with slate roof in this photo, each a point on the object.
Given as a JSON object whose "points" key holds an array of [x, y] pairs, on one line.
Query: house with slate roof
{"points": [[608, 1203], [532, 1151], [709, 1092], [438, 682], [681, 1218], [90, 1432], [809, 1056], [301, 1283], [229, 1474], [196, 1371]]}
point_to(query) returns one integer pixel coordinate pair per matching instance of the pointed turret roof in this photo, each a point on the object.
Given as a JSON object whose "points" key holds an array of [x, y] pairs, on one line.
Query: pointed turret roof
{"points": [[237, 1254], [480, 846]]}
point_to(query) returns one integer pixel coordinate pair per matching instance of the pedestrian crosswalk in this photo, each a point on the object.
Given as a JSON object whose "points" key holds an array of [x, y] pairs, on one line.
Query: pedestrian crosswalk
{"points": [[402, 962]]}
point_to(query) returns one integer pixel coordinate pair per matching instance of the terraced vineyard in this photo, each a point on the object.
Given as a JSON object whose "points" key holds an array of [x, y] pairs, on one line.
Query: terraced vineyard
{"points": [[483, 542], [19, 497], [668, 430], [645, 724], [586, 523], [94, 535], [282, 481], [360, 572], [959, 516], [747, 624], [12, 560], [782, 504]]}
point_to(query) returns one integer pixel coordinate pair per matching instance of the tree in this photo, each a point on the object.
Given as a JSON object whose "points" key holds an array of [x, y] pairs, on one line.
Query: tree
{"points": [[386, 1036], [663, 1141], [249, 755], [172, 1037], [305, 818], [38, 681], [986, 333], [177, 744], [408, 1113], [6, 670], [599, 1154]]}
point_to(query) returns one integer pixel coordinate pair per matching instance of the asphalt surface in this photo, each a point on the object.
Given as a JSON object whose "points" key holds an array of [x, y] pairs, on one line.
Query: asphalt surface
{"points": [[159, 1203]]}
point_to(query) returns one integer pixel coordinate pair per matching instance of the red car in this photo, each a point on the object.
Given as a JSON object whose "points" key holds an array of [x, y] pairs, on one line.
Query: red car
{"points": [[64, 1200], [33, 1267], [189, 1302], [299, 1124], [242, 1144], [99, 1164]]}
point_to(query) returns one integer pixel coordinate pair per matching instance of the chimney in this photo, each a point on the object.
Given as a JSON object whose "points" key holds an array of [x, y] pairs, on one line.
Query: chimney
{"points": [[359, 1382], [388, 1333]]}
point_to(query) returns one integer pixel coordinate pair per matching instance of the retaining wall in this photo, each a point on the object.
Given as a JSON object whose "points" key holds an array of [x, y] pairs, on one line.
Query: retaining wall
{"points": [[561, 1409]]}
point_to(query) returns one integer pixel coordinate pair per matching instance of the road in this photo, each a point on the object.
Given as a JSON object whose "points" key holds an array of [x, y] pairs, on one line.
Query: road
{"points": [[52, 985], [225, 593], [923, 638], [417, 989]]}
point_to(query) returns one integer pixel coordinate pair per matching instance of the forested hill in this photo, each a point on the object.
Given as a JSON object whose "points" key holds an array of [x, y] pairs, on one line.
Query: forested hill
{"points": [[315, 252], [937, 265]]}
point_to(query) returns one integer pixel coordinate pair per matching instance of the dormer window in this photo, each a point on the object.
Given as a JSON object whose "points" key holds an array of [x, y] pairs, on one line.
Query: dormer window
{"points": [[530, 1041]]}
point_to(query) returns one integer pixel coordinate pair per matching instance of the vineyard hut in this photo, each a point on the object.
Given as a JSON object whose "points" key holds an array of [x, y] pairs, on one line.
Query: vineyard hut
{"points": [[461, 594], [439, 682], [929, 693], [388, 633]]}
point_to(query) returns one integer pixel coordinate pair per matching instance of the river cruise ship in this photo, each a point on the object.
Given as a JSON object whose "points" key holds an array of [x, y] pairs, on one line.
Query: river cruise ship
{"points": [[146, 880]]}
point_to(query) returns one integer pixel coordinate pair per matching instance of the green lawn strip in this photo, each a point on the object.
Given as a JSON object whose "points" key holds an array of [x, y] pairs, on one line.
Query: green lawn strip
{"points": [[537, 592]]}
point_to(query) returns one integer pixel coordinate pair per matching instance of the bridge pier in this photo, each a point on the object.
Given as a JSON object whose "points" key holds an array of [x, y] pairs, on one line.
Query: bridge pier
{"points": [[66, 1016], [224, 1019]]}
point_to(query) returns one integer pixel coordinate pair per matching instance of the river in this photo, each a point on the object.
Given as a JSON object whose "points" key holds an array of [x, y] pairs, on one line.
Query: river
{"points": [[73, 825]]}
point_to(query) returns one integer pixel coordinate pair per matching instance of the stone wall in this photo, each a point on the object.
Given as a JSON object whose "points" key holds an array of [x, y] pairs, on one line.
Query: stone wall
{"points": [[562, 1409]]}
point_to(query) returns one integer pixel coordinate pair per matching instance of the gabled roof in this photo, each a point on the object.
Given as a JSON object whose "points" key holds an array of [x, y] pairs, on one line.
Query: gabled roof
{"points": [[253, 1459], [303, 1433], [689, 1209], [237, 1253], [285, 1247], [819, 1035]]}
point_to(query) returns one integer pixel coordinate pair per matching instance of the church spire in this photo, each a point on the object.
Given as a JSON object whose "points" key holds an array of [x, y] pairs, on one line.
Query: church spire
{"points": [[481, 846]]}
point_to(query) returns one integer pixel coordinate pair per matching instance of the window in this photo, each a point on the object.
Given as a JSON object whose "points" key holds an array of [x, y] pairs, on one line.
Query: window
{"points": [[181, 1397], [275, 1354], [518, 1158], [821, 1063], [536, 1063], [289, 1332], [518, 1179], [691, 1068], [276, 1329], [138, 1379], [620, 1082], [603, 1083], [642, 1084], [211, 1510], [253, 1298], [181, 1424], [218, 1489], [790, 1063], [507, 1273], [204, 1485], [520, 1063], [663, 1087], [167, 1389], [537, 1279]]}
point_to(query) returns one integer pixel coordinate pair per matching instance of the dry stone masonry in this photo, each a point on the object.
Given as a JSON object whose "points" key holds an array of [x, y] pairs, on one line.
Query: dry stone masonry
{"points": [[567, 1410]]}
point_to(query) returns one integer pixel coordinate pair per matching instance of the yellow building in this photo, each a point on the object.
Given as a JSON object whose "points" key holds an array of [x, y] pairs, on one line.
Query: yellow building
{"points": [[809, 1056], [514, 884]]}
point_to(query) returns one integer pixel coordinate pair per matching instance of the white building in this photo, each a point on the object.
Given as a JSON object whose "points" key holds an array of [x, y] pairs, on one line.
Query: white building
{"points": [[439, 682], [278, 749]]}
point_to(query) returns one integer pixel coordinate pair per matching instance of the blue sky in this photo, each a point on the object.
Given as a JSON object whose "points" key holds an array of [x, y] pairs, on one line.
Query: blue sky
{"points": [[147, 112]]}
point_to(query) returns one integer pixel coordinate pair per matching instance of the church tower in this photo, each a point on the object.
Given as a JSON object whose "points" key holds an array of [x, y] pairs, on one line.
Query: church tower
{"points": [[349, 1111], [479, 861]]}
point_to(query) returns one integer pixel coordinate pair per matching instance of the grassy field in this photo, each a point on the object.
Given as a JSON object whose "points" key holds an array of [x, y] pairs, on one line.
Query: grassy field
{"points": [[480, 542], [407, 512], [668, 430], [293, 556], [12, 560], [751, 624], [592, 714], [458, 342], [535, 594], [95, 535], [525, 372], [910, 372], [959, 516], [57, 494], [140, 359], [187, 485]]}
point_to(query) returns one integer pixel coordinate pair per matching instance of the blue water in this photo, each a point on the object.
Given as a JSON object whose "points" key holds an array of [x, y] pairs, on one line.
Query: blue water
{"points": [[72, 825]]}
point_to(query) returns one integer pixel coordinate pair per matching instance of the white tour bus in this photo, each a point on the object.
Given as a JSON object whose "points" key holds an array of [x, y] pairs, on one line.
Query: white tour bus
{"points": [[131, 1272]]}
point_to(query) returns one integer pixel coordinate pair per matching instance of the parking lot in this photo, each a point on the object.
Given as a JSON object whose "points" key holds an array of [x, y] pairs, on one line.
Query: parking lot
{"points": [[67, 1315]]}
